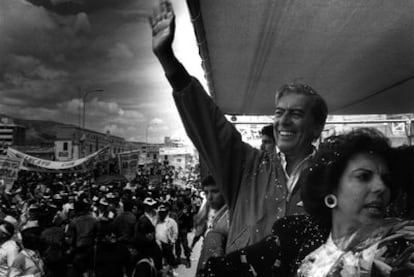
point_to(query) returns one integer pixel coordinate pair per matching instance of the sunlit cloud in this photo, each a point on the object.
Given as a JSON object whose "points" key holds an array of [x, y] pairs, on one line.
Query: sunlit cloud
{"points": [[156, 121]]}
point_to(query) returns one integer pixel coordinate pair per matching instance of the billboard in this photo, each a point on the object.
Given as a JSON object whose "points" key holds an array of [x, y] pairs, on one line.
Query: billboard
{"points": [[9, 170], [128, 163]]}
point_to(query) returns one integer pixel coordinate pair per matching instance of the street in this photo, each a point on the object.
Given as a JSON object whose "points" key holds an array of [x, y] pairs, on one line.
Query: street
{"points": [[190, 272]]}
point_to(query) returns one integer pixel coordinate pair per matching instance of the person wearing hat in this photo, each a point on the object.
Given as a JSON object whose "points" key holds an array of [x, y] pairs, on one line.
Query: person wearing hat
{"points": [[8, 247], [102, 212], [146, 221], [81, 235], [150, 212], [166, 233], [115, 206], [28, 262]]}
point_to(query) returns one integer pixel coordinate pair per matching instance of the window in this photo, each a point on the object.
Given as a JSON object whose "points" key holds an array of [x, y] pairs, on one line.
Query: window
{"points": [[65, 146]]}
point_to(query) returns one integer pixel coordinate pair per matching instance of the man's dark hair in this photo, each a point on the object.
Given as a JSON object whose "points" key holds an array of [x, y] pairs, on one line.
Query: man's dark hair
{"points": [[319, 107], [267, 131], [31, 238], [128, 205], [208, 181]]}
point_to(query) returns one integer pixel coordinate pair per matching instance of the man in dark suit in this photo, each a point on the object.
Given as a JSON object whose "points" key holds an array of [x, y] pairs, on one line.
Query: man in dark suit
{"points": [[146, 221]]}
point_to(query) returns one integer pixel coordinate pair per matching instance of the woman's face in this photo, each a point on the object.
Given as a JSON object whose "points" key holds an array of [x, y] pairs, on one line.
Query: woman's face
{"points": [[363, 191]]}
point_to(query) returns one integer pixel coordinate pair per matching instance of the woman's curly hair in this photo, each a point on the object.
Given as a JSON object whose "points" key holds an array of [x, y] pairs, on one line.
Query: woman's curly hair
{"points": [[329, 162]]}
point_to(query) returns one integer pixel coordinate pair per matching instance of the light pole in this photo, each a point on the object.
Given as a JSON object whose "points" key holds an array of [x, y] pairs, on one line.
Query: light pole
{"points": [[86, 93], [149, 125], [146, 139]]}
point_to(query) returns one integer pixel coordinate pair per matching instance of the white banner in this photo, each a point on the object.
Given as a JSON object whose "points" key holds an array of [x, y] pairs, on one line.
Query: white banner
{"points": [[51, 164]]}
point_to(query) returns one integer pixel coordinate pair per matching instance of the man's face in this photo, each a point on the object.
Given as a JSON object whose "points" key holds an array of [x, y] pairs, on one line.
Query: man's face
{"points": [[294, 126], [162, 214], [214, 197], [268, 144]]}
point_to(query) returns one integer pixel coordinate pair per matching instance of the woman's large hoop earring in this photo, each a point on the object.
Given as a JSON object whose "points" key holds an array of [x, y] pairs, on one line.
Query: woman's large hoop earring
{"points": [[331, 201]]}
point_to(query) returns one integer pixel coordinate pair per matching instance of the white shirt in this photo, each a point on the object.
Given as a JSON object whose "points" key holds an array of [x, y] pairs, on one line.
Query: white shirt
{"points": [[210, 219], [293, 178], [166, 231], [28, 263], [8, 252], [319, 262]]}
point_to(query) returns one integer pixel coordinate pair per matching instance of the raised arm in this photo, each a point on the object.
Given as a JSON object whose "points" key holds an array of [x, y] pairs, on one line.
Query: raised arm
{"points": [[163, 29], [218, 142]]}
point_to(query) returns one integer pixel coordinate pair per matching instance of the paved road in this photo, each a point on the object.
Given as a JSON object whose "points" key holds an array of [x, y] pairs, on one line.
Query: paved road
{"points": [[182, 271]]}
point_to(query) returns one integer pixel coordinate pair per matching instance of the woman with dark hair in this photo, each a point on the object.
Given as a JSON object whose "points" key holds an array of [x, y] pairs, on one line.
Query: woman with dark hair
{"points": [[346, 191]]}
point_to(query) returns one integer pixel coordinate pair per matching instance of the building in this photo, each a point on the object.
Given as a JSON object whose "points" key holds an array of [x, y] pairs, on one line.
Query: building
{"points": [[41, 152], [179, 157], [11, 133], [73, 142], [398, 128], [149, 152]]}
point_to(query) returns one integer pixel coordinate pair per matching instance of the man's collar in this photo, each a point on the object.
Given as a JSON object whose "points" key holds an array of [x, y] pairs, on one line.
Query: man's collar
{"points": [[283, 155]]}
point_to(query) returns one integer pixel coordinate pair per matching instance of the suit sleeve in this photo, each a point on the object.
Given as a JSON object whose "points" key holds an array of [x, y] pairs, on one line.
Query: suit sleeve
{"points": [[219, 143]]}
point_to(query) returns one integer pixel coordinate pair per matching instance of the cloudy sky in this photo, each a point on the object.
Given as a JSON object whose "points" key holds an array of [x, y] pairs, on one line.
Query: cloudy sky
{"points": [[53, 51]]}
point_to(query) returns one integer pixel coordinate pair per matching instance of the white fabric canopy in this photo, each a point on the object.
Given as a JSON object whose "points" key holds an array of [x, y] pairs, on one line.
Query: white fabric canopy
{"points": [[358, 54]]}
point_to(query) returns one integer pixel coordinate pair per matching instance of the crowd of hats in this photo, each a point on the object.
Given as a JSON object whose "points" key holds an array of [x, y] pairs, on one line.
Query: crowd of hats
{"points": [[44, 194]]}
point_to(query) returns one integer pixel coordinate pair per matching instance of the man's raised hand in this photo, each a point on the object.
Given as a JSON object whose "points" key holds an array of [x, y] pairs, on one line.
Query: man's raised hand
{"points": [[163, 28]]}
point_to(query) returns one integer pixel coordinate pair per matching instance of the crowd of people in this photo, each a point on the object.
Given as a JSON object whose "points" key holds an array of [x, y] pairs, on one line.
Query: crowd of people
{"points": [[67, 224]]}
